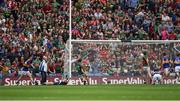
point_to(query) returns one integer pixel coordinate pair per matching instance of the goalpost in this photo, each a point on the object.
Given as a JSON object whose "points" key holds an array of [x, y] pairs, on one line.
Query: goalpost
{"points": [[96, 51]]}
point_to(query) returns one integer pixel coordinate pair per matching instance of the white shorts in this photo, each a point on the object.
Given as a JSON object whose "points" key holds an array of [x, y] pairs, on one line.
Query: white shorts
{"points": [[166, 69], [85, 73], [24, 72], [157, 77], [177, 69], [146, 68]]}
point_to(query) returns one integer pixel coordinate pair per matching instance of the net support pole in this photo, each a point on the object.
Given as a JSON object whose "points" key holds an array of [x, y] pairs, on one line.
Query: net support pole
{"points": [[70, 37]]}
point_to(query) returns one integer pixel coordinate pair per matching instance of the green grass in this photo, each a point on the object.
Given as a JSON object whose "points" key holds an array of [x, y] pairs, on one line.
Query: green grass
{"points": [[95, 92]]}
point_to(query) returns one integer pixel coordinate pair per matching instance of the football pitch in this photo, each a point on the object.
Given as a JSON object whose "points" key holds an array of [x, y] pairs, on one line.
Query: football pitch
{"points": [[92, 92]]}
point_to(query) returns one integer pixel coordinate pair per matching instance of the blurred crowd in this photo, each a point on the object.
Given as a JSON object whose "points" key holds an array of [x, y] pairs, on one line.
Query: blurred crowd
{"points": [[30, 29], [122, 59], [126, 19]]}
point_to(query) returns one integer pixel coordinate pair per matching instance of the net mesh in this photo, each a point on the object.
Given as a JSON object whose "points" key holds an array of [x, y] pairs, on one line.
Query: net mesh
{"points": [[120, 58]]}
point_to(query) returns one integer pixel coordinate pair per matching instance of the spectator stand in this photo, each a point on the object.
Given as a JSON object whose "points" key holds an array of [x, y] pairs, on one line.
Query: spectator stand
{"points": [[125, 19], [31, 29]]}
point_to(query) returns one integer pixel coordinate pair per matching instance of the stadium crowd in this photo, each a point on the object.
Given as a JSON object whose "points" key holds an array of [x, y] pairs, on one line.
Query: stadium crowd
{"points": [[113, 59], [30, 29], [126, 19]]}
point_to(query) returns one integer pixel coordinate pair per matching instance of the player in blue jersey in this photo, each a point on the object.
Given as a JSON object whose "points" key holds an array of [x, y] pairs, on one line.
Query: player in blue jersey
{"points": [[177, 66], [157, 77], [24, 69], [166, 63]]}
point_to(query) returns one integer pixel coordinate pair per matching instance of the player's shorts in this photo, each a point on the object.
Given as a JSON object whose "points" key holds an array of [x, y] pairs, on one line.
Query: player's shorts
{"points": [[1, 76], [177, 69], [24, 72], [166, 69], [157, 77], [85, 74], [146, 68]]}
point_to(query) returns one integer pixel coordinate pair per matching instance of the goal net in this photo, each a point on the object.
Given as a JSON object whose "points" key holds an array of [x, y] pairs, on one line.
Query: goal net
{"points": [[116, 58]]}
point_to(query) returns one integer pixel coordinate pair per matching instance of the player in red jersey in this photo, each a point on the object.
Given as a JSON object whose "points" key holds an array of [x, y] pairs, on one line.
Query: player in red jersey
{"points": [[146, 68], [84, 71]]}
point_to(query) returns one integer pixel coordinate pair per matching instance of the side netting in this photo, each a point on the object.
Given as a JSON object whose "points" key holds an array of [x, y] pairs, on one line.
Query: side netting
{"points": [[120, 59]]}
